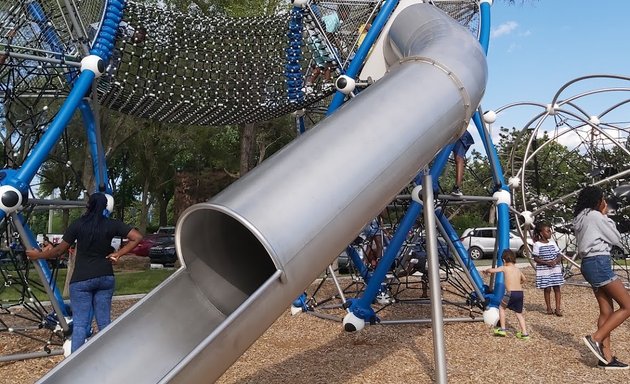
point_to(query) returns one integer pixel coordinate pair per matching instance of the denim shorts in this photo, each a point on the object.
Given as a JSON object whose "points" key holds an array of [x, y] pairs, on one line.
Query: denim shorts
{"points": [[597, 270]]}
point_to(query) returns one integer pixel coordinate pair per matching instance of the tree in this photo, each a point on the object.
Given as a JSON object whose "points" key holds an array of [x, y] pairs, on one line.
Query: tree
{"points": [[551, 170]]}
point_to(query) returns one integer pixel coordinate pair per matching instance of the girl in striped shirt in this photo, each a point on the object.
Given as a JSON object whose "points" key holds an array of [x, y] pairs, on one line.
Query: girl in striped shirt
{"points": [[547, 256]]}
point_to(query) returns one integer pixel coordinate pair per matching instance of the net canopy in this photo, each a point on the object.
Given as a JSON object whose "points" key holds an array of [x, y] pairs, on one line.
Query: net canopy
{"points": [[184, 67]]}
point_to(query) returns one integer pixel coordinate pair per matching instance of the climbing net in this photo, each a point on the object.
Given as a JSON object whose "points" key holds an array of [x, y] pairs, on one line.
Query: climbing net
{"points": [[193, 69], [180, 67]]}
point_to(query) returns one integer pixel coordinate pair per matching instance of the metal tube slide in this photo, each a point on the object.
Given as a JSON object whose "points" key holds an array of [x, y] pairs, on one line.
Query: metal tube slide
{"points": [[253, 248]]}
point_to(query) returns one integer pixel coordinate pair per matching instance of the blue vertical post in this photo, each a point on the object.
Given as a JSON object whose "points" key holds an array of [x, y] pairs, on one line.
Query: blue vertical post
{"points": [[96, 149], [364, 49]]}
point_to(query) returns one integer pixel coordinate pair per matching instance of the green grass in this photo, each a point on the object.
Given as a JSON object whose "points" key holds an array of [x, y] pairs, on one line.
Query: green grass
{"points": [[135, 282], [127, 283]]}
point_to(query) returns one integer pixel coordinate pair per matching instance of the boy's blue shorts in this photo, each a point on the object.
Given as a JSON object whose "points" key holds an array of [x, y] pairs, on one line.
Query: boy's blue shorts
{"points": [[513, 300]]}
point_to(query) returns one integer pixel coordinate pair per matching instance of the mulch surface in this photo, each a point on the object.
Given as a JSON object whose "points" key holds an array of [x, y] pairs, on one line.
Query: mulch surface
{"points": [[307, 349]]}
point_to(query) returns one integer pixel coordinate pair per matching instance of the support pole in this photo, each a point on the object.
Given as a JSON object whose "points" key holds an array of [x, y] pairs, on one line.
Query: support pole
{"points": [[437, 317], [331, 270], [31, 355]]}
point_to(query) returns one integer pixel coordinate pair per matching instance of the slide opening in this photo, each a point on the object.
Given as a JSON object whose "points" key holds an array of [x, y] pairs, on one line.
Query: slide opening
{"points": [[225, 259]]}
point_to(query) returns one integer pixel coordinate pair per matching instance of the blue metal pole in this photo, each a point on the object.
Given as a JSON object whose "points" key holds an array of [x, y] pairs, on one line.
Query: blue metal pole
{"points": [[361, 307], [358, 262], [43, 264], [98, 156], [484, 31], [48, 140], [357, 62], [459, 247], [104, 43], [292, 68]]}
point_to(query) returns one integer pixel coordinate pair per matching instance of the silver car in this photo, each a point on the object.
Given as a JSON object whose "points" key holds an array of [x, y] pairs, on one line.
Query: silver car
{"points": [[480, 242]]}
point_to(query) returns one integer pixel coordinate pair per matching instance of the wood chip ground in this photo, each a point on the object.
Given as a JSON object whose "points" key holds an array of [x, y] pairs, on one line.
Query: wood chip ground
{"points": [[306, 349]]}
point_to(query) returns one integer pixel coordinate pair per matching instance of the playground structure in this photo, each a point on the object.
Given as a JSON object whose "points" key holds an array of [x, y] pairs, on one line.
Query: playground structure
{"points": [[409, 89], [585, 147], [455, 111]]}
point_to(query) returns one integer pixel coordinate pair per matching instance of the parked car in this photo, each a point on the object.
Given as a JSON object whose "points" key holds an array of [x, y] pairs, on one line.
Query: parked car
{"points": [[480, 242], [164, 252], [166, 230], [618, 253], [148, 241]]}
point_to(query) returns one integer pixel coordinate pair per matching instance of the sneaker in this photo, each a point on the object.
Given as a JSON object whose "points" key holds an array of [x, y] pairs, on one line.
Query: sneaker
{"points": [[383, 298], [613, 365], [500, 332], [595, 347], [456, 191], [522, 336], [328, 86]]}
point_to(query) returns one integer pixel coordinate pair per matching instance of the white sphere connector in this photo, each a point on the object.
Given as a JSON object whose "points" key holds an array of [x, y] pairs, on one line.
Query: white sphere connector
{"points": [[67, 347], [490, 117], [514, 182], [491, 316], [594, 120], [345, 84], [110, 202], [551, 109], [299, 3], [295, 310], [352, 323], [416, 194], [528, 218], [10, 199], [94, 64], [502, 197]]}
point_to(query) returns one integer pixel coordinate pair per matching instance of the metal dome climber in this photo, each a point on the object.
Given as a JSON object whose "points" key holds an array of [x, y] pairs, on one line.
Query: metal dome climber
{"points": [[580, 138], [282, 266]]}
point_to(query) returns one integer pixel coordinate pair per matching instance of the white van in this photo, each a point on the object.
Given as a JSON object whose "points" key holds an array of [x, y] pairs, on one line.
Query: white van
{"points": [[480, 242]]}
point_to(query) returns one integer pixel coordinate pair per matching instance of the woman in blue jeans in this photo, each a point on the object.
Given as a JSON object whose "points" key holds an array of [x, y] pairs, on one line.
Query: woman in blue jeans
{"points": [[596, 233], [92, 281]]}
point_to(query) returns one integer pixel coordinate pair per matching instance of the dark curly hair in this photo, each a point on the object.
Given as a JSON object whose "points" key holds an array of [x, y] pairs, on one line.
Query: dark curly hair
{"points": [[539, 227], [589, 197]]}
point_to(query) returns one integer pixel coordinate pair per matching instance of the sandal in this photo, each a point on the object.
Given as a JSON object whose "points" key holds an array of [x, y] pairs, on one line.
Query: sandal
{"points": [[550, 312], [559, 312]]}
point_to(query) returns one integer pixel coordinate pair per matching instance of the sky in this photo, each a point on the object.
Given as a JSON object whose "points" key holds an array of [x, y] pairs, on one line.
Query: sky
{"points": [[536, 46]]}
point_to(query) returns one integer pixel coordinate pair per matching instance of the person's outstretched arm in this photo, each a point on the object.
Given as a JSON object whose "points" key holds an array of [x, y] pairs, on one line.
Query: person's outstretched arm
{"points": [[492, 270], [134, 236], [50, 253]]}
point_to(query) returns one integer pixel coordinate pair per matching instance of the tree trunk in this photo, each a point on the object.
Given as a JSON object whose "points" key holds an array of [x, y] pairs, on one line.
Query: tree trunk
{"points": [[144, 207], [164, 210], [248, 147]]}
